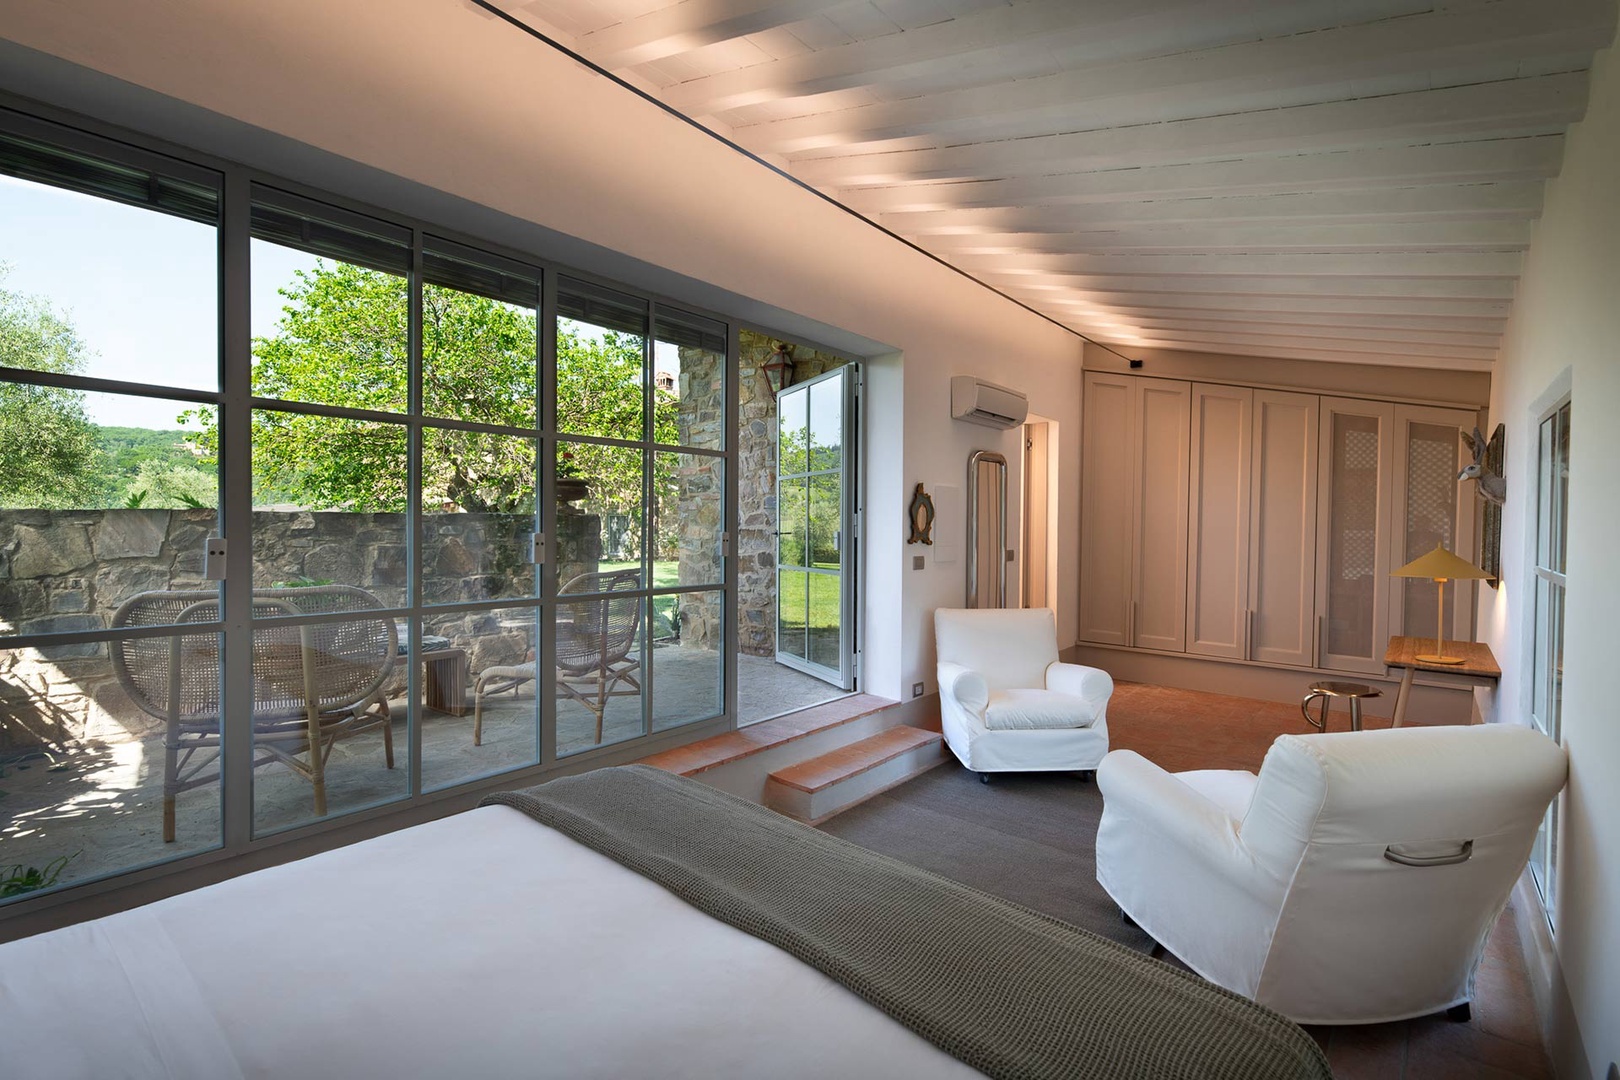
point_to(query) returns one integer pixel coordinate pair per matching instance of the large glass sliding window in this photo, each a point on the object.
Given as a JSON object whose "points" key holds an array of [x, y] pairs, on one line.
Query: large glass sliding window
{"points": [[109, 373], [299, 518], [1547, 672]]}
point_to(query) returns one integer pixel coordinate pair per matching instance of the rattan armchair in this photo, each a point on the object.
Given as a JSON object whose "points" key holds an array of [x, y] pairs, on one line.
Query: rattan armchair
{"points": [[594, 639], [313, 683]]}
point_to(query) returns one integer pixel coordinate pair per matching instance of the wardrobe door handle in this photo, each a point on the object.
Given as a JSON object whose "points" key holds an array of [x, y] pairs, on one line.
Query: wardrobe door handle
{"points": [[1316, 643], [1248, 634]]}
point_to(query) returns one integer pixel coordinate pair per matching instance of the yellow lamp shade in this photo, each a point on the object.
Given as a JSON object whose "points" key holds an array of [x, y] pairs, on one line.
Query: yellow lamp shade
{"points": [[1440, 565]]}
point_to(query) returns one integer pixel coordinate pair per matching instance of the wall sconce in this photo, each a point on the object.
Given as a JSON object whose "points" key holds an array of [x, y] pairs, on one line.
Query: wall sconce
{"points": [[778, 368]]}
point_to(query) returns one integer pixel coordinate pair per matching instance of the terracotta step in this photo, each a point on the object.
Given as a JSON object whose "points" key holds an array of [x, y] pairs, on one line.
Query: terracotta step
{"points": [[816, 789]]}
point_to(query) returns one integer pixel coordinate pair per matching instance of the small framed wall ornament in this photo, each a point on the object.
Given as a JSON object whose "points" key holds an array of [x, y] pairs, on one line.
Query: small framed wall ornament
{"points": [[922, 517]]}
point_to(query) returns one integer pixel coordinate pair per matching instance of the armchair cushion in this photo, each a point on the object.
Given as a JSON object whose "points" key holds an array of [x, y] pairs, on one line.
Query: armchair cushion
{"points": [[1026, 710]]}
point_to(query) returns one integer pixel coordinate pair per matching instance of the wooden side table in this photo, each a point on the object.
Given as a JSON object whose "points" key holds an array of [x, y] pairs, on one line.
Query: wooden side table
{"points": [[1478, 666], [446, 685]]}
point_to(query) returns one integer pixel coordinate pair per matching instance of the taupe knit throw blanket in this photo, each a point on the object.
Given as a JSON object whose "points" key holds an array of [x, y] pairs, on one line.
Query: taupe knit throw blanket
{"points": [[1009, 991]]}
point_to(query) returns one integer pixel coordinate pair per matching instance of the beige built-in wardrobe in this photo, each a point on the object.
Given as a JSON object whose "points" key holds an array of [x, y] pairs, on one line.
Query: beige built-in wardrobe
{"points": [[1259, 526]]}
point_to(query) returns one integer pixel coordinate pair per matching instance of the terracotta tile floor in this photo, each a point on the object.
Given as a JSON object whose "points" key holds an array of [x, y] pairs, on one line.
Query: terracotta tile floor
{"points": [[1186, 729]]}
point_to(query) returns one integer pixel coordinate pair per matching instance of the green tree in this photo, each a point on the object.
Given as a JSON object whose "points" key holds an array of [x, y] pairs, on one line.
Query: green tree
{"points": [[48, 455], [342, 340]]}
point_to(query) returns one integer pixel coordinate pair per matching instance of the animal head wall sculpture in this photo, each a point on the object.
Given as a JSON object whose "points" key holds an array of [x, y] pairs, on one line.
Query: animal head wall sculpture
{"points": [[1486, 468]]}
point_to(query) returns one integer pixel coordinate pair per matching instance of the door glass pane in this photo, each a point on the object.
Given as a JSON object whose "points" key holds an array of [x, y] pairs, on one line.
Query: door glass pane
{"points": [[1353, 536], [83, 769], [1430, 519], [477, 516], [690, 492], [324, 707], [89, 286], [1540, 681], [685, 668], [823, 620], [792, 613], [480, 353], [329, 504], [601, 362], [600, 646], [1547, 469], [793, 523], [480, 709], [1561, 490], [689, 385], [329, 331], [826, 423], [599, 513]]}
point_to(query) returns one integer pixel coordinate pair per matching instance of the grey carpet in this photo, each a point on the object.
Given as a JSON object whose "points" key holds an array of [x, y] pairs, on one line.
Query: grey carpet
{"points": [[1029, 838]]}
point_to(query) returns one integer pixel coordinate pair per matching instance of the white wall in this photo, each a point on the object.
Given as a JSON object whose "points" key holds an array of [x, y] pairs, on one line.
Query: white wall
{"points": [[444, 95], [1566, 326]]}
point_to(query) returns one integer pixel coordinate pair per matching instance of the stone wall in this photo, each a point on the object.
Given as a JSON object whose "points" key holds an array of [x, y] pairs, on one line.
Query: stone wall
{"points": [[67, 571]]}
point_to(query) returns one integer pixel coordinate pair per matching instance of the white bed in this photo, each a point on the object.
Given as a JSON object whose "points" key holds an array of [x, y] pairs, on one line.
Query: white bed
{"points": [[482, 945]]}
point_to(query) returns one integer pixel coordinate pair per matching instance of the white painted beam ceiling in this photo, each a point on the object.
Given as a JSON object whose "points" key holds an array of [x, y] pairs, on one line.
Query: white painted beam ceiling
{"points": [[1348, 180]]}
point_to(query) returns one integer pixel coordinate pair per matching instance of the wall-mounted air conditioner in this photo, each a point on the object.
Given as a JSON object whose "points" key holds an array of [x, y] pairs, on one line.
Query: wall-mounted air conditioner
{"points": [[979, 402]]}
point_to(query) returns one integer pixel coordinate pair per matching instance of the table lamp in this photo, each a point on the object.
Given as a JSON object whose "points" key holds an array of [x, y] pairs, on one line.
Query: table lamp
{"points": [[1441, 566]]}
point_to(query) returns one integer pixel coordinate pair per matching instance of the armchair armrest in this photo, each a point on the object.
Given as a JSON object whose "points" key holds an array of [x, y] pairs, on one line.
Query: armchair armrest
{"points": [[1155, 801], [1092, 685], [964, 686]]}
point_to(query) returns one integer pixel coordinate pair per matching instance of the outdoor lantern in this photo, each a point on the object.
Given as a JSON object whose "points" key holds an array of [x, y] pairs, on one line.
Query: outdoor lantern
{"points": [[779, 368]]}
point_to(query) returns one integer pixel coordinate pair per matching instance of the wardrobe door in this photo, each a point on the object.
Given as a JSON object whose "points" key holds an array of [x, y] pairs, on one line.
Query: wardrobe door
{"points": [[1160, 571], [1219, 521], [1107, 503], [1282, 529], [1433, 507], [1354, 476]]}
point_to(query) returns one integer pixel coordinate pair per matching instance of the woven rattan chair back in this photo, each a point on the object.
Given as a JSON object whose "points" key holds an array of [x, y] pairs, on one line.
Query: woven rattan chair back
{"points": [[594, 634]]}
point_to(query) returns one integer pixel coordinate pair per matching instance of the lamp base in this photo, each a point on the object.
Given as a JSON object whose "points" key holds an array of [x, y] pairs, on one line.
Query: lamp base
{"points": [[1422, 659]]}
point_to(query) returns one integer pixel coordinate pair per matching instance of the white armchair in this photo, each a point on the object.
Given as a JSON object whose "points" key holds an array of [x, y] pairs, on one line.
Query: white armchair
{"points": [[1353, 881], [1007, 703]]}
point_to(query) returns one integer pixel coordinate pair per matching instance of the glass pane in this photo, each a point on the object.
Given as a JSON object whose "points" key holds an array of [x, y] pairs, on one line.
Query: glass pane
{"points": [[792, 613], [329, 686], [1540, 676], [477, 516], [1555, 671], [1561, 490], [686, 683], [691, 491], [824, 620], [100, 288], [599, 671], [793, 434], [599, 515], [328, 331], [83, 768], [479, 358], [1353, 536], [103, 497], [601, 362], [329, 502], [1430, 519], [1546, 504], [825, 530], [826, 434], [689, 382], [480, 710], [793, 522]]}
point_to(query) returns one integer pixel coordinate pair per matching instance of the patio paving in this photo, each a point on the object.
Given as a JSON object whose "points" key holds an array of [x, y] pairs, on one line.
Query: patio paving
{"points": [[103, 801]]}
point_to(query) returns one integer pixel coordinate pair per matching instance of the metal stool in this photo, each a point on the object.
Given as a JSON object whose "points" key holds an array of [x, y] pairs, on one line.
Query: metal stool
{"points": [[1327, 691]]}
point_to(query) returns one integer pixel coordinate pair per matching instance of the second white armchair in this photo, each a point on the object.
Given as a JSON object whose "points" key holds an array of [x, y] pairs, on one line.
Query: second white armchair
{"points": [[1007, 703]]}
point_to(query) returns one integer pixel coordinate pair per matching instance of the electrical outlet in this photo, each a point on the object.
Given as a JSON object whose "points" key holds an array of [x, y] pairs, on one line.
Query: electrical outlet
{"points": [[916, 689], [916, 562]]}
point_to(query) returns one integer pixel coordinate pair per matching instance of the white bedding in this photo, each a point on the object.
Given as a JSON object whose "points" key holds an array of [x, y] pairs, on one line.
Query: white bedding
{"points": [[481, 945]]}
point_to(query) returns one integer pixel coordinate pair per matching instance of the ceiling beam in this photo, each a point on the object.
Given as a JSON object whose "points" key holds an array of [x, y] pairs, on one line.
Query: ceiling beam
{"points": [[1337, 356], [1445, 38], [1031, 286], [1487, 339], [1520, 200], [1494, 160], [1013, 38], [1439, 236], [692, 24], [1535, 106], [1407, 266], [1376, 308], [1338, 321]]}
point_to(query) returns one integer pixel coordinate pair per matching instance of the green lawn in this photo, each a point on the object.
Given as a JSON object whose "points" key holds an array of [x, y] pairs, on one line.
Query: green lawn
{"points": [[666, 574]]}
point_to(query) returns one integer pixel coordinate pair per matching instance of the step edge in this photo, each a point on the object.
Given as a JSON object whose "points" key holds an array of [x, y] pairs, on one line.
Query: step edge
{"points": [[914, 742]]}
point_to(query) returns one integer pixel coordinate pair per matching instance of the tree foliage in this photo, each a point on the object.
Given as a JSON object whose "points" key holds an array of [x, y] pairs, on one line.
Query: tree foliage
{"points": [[48, 453], [343, 340]]}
